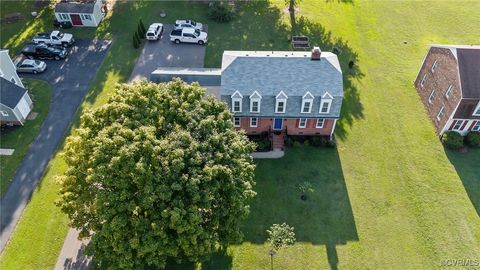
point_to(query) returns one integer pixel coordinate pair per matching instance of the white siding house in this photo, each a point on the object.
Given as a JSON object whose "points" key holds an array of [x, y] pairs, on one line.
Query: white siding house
{"points": [[81, 13], [15, 103]]}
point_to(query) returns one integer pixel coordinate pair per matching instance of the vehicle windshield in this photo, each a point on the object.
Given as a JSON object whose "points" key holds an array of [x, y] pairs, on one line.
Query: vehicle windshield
{"points": [[60, 35], [197, 32], [37, 62], [149, 34], [193, 23]]}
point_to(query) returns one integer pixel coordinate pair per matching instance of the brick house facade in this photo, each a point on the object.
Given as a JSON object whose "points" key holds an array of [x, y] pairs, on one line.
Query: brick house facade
{"points": [[448, 84]]}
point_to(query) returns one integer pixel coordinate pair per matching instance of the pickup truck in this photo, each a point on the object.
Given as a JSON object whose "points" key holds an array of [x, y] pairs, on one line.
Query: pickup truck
{"points": [[54, 38], [188, 35], [43, 51]]}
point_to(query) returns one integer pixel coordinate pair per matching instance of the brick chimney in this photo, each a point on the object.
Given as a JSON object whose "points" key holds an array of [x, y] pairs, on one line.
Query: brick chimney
{"points": [[316, 53]]}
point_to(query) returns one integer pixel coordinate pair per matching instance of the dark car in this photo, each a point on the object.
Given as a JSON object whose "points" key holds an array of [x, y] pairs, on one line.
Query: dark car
{"points": [[43, 51], [64, 25]]}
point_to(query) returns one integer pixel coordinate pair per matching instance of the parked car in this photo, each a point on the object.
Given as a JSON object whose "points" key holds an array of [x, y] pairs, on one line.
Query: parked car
{"points": [[54, 38], [154, 31], [31, 66], [43, 51], [188, 35], [179, 24], [64, 24]]}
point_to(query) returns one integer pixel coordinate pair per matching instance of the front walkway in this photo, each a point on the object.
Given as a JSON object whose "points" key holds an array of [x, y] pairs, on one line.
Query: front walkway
{"points": [[275, 153]]}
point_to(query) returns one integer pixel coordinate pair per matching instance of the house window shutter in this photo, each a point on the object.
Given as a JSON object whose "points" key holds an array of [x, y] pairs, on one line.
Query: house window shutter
{"points": [[464, 124], [297, 122], [452, 125], [472, 125]]}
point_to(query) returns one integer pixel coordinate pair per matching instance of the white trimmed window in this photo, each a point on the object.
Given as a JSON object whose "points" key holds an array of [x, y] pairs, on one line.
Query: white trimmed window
{"points": [[326, 103], [431, 97], [64, 16], [4, 113], [476, 112], [280, 102], [307, 101], [87, 17], [434, 65], [320, 122], [237, 102], [476, 127], [424, 79], [302, 123], [458, 125], [236, 121], [449, 91], [255, 100], [441, 113], [253, 122]]}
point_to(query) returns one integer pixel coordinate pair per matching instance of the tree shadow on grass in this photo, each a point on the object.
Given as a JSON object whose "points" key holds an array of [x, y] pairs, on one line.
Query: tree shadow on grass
{"points": [[468, 169], [349, 61], [325, 218], [218, 260]]}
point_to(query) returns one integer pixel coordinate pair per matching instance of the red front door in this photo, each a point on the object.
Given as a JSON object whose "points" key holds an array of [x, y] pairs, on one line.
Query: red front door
{"points": [[76, 20]]}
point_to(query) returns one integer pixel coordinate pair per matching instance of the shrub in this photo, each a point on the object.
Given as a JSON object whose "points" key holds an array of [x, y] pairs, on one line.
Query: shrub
{"points": [[288, 141], [263, 145], [135, 41], [331, 143], [142, 26], [452, 140], [141, 32], [221, 12], [473, 139], [306, 143], [319, 141], [296, 144]]}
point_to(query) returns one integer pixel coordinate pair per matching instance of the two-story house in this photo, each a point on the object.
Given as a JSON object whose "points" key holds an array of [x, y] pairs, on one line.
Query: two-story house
{"points": [[15, 103], [279, 92], [449, 86]]}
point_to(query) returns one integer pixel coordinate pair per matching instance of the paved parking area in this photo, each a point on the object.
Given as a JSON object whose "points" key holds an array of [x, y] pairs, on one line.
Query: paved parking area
{"points": [[164, 53], [70, 79]]}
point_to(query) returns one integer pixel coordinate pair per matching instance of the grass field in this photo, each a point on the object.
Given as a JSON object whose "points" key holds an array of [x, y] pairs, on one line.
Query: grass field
{"points": [[389, 196], [20, 137]]}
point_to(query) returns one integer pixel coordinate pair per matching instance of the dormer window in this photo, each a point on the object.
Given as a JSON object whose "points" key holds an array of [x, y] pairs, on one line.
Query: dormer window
{"points": [[237, 102], [326, 103], [255, 100], [281, 102], [307, 101]]}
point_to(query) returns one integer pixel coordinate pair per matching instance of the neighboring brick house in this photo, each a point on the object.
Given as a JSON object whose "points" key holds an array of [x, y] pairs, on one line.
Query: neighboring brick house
{"points": [[449, 86], [274, 92]]}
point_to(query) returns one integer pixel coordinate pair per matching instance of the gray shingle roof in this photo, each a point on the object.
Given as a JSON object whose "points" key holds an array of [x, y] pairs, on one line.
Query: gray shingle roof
{"points": [[73, 7], [291, 72], [469, 69], [10, 93]]}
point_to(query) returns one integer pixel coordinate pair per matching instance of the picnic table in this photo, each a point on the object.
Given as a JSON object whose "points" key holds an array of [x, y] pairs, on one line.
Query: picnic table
{"points": [[300, 42]]}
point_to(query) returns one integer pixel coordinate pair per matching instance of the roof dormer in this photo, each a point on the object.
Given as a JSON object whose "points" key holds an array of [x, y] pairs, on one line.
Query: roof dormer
{"points": [[237, 102], [307, 102]]}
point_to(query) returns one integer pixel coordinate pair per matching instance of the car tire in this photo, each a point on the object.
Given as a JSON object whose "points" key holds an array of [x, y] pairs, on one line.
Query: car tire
{"points": [[65, 45], [56, 57], [200, 42], [177, 41], [35, 72]]}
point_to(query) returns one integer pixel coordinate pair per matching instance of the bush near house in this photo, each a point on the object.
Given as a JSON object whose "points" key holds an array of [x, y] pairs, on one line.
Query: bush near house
{"points": [[452, 140], [221, 12], [473, 139], [318, 141]]}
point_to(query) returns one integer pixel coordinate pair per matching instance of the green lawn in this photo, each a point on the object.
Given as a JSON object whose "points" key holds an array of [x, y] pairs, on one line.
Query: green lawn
{"points": [[20, 137], [389, 196]]}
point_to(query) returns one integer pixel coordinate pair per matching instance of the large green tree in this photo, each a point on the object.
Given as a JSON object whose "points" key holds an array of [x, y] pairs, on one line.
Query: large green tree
{"points": [[158, 172]]}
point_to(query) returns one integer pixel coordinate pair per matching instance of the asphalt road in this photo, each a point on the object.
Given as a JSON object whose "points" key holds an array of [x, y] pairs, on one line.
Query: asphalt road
{"points": [[70, 80]]}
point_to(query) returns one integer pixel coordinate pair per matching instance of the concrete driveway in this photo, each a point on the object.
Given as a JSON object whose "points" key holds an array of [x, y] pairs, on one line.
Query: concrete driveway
{"points": [[164, 53], [70, 80]]}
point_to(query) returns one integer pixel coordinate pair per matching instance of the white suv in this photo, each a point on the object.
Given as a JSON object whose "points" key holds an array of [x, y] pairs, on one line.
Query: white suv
{"points": [[154, 31], [179, 24]]}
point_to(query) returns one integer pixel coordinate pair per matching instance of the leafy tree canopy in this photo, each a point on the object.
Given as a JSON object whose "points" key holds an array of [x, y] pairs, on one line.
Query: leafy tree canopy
{"points": [[158, 172], [281, 235]]}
